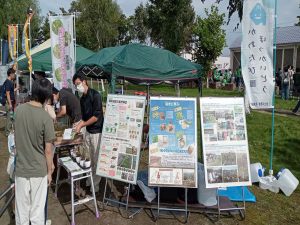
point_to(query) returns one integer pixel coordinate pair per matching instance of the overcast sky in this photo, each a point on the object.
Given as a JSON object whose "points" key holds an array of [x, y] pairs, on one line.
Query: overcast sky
{"points": [[288, 10]]}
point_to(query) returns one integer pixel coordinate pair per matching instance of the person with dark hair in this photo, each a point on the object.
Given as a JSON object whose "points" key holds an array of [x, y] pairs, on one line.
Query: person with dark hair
{"points": [[8, 98], [68, 103], [34, 135], [92, 120]]}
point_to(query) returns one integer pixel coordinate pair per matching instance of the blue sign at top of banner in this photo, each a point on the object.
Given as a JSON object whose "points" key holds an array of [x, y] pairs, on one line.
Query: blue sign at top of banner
{"points": [[258, 15]]}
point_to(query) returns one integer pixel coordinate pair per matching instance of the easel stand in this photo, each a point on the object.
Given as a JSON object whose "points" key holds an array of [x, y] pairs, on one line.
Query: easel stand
{"points": [[241, 210], [119, 202], [75, 173], [185, 210]]}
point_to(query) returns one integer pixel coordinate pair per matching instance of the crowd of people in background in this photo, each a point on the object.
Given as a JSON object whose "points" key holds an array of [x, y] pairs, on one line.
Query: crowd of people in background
{"points": [[227, 77], [285, 81]]}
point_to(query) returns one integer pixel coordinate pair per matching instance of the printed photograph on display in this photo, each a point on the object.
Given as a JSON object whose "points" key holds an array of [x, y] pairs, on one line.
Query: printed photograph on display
{"points": [[121, 138], [173, 142], [225, 144]]}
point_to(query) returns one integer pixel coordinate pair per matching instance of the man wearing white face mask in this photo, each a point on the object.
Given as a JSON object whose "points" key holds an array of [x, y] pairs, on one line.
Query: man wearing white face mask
{"points": [[92, 120], [69, 104]]}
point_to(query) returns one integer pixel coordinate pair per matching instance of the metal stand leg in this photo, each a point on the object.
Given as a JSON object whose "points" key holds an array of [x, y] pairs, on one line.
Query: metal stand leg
{"points": [[158, 202], [127, 198], [185, 210], [130, 216], [241, 210], [120, 203], [72, 201], [218, 196], [57, 178], [186, 205], [104, 195], [94, 195]]}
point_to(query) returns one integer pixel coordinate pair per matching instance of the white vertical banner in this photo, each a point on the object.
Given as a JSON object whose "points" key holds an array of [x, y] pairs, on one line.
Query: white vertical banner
{"points": [[62, 50], [257, 52]]}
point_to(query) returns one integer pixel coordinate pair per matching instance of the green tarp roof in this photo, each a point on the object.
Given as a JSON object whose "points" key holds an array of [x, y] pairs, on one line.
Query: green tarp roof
{"points": [[42, 61], [142, 63]]}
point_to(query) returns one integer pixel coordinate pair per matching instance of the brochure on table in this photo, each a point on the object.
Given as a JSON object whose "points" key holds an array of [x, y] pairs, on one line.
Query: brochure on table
{"points": [[225, 143], [173, 142], [121, 138]]}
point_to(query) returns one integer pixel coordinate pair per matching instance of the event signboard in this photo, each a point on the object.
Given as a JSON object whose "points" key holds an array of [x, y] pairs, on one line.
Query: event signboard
{"points": [[173, 142], [62, 50], [225, 142], [121, 138]]}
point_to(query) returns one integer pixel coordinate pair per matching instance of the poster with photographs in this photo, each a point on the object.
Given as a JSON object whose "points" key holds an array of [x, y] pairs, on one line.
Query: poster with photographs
{"points": [[121, 138], [225, 143], [173, 142]]}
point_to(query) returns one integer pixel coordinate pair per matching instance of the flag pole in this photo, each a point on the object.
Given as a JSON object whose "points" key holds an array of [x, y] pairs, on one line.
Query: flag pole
{"points": [[30, 71], [274, 75], [16, 62]]}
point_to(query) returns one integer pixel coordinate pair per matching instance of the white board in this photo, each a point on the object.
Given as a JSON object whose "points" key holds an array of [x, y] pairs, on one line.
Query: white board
{"points": [[225, 142], [173, 142], [121, 138]]}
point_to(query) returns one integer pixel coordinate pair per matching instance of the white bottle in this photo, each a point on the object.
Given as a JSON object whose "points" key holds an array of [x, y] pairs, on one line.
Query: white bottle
{"points": [[206, 196], [287, 181], [256, 171]]}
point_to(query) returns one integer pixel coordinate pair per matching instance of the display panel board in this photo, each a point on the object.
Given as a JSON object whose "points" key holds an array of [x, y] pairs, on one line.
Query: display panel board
{"points": [[173, 142], [121, 138], [225, 142]]}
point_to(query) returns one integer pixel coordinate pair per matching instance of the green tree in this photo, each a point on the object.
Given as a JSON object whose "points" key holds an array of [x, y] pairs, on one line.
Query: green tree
{"points": [[124, 29], [140, 31], [97, 23], [14, 12], [170, 23], [45, 28], [233, 6], [209, 38]]}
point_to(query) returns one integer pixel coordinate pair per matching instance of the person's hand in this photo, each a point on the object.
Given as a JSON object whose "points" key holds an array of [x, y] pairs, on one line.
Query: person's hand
{"points": [[78, 127], [17, 88], [10, 107], [49, 177]]}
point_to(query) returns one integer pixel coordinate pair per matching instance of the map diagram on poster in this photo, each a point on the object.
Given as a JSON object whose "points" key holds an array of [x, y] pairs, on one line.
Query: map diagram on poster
{"points": [[173, 142], [225, 143], [121, 138]]}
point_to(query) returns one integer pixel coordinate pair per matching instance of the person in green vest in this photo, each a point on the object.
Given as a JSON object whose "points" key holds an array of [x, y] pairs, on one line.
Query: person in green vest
{"points": [[216, 75], [225, 78], [228, 76], [238, 75]]}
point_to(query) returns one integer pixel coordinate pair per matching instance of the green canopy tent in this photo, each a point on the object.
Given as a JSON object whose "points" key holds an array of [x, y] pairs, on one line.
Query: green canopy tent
{"points": [[42, 61], [142, 64]]}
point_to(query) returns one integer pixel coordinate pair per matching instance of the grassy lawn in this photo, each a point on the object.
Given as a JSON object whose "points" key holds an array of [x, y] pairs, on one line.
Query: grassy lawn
{"points": [[192, 92], [285, 104], [286, 145]]}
